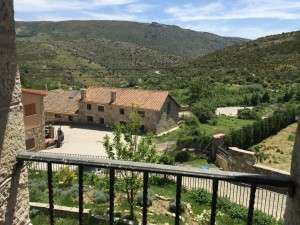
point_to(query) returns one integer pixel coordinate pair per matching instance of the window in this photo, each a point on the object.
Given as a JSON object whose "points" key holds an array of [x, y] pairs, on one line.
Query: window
{"points": [[70, 118], [30, 143], [58, 116], [101, 121], [101, 108], [141, 113], [122, 111], [142, 129], [89, 107], [90, 119], [29, 110]]}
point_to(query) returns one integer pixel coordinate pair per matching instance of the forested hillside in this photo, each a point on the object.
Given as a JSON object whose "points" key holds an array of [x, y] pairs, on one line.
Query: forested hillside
{"points": [[269, 60]]}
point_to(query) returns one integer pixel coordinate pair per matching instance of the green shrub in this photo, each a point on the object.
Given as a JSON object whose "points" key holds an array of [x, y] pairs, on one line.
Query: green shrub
{"points": [[166, 159], [160, 181], [201, 196], [100, 197], [66, 177], [139, 199], [182, 156], [248, 114], [204, 113], [172, 207]]}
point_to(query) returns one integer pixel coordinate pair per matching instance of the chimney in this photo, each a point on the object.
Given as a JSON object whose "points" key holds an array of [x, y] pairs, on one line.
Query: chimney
{"points": [[83, 93], [113, 96]]}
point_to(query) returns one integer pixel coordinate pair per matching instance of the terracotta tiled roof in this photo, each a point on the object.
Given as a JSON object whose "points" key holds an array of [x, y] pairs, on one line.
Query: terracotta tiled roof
{"points": [[144, 99], [62, 102], [34, 92]]}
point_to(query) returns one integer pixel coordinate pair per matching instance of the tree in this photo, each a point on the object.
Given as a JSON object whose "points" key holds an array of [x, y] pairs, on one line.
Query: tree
{"points": [[127, 145], [203, 112]]}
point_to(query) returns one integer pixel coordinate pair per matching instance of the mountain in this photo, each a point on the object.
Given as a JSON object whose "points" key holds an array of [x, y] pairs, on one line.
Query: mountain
{"points": [[267, 60], [105, 52], [170, 40]]}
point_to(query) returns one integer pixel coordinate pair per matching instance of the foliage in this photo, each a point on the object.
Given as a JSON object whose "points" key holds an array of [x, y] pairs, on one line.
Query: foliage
{"points": [[166, 159], [248, 114], [66, 177], [203, 112], [182, 156], [100, 197], [263, 128], [260, 153], [201, 196], [126, 145]]}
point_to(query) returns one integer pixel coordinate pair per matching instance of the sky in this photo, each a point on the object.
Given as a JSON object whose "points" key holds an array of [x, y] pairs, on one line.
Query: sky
{"points": [[240, 18]]}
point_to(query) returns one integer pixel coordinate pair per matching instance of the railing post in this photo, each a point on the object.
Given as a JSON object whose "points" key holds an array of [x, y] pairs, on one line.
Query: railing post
{"points": [[214, 202], [178, 199], [251, 204], [145, 197], [50, 194], [80, 191], [111, 196]]}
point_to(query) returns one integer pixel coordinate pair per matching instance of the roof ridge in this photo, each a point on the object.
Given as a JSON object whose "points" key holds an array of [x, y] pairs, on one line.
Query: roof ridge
{"points": [[135, 89]]}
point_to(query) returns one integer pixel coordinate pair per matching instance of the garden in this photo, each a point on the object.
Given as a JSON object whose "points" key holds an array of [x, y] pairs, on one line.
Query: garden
{"points": [[195, 208]]}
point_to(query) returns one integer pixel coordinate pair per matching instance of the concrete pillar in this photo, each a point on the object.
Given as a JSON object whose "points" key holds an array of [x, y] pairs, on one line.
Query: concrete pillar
{"points": [[292, 212], [14, 205], [217, 142]]}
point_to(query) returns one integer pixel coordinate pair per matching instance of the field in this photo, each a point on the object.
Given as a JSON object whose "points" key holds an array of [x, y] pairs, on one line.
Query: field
{"points": [[222, 124], [279, 148]]}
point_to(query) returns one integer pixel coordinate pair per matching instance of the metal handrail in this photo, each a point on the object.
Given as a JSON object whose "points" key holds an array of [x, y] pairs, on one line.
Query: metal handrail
{"points": [[254, 180]]}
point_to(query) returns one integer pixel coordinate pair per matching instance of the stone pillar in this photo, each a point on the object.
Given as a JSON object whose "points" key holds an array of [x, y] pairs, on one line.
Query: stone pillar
{"points": [[14, 205], [217, 142], [292, 212]]}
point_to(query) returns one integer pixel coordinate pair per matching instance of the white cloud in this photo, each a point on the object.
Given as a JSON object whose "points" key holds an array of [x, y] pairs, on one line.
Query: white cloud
{"points": [[139, 7], [246, 9]]}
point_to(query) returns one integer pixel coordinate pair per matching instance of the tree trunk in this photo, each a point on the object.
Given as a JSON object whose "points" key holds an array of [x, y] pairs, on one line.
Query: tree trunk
{"points": [[292, 212]]}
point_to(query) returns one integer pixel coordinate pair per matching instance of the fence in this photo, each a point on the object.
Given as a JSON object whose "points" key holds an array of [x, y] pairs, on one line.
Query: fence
{"points": [[244, 189]]}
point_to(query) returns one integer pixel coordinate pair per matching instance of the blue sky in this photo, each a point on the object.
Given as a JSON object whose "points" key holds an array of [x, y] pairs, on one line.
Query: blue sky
{"points": [[243, 18]]}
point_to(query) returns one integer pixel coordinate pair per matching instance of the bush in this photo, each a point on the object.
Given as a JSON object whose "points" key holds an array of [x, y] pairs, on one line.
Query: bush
{"points": [[204, 113], [65, 177], [182, 156], [160, 181], [201, 196], [100, 197], [172, 207], [139, 199], [166, 159], [248, 114]]}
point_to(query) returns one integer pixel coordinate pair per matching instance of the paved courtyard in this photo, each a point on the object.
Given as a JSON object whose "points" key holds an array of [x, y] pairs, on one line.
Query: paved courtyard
{"points": [[81, 140]]}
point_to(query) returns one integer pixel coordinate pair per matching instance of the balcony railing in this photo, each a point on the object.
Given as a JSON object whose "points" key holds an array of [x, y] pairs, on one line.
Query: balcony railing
{"points": [[253, 181]]}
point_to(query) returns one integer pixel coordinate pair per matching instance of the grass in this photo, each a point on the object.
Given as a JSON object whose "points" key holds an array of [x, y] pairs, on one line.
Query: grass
{"points": [[221, 124], [224, 124], [279, 148]]}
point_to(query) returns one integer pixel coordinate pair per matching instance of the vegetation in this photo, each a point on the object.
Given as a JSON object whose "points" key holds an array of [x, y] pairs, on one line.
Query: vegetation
{"points": [[195, 203], [278, 148], [127, 146]]}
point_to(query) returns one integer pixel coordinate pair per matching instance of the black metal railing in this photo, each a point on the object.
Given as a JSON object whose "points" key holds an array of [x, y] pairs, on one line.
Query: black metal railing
{"points": [[252, 180]]}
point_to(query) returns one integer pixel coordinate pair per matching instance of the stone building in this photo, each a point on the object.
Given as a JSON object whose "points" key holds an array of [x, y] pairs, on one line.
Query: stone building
{"points": [[34, 118], [106, 106], [62, 106]]}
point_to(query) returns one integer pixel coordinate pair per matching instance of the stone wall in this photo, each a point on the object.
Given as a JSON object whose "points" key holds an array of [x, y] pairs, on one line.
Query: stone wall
{"points": [[239, 160], [14, 204]]}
